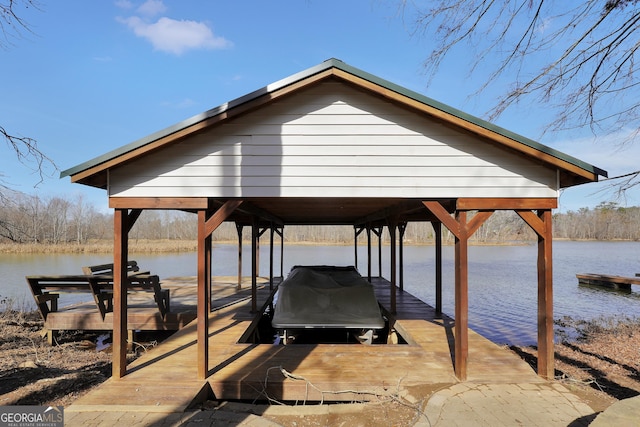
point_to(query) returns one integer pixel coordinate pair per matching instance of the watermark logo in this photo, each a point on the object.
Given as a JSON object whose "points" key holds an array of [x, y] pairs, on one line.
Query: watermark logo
{"points": [[31, 416]]}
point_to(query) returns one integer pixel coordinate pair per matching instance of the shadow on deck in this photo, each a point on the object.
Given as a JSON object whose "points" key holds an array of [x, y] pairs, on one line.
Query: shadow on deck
{"points": [[165, 379]]}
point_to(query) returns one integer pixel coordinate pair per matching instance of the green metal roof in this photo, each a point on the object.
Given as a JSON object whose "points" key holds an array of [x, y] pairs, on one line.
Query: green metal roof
{"points": [[326, 65]]}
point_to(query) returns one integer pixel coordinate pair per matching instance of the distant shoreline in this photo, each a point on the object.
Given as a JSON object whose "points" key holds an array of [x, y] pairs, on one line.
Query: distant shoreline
{"points": [[178, 246]]}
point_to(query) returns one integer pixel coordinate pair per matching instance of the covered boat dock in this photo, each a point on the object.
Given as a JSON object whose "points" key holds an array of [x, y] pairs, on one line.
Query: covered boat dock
{"points": [[336, 145]]}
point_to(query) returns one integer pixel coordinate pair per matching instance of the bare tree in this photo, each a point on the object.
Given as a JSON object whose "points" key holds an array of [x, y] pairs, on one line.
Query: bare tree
{"points": [[12, 26], [83, 217], [57, 220], [575, 58]]}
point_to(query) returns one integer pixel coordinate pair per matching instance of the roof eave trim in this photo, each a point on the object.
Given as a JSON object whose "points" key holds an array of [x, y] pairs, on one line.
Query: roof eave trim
{"points": [[308, 73]]}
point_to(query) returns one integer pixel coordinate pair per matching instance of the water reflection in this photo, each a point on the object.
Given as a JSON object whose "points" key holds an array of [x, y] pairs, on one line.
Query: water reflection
{"points": [[502, 279]]}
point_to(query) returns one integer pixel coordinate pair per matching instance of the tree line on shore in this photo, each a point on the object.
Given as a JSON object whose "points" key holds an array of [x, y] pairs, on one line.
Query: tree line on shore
{"points": [[54, 221]]}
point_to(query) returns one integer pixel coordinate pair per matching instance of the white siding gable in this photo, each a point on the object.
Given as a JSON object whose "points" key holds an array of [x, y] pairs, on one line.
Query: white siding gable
{"points": [[333, 141]]}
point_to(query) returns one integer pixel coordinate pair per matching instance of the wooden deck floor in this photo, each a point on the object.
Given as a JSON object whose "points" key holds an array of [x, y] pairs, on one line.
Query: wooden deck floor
{"points": [[165, 378]]}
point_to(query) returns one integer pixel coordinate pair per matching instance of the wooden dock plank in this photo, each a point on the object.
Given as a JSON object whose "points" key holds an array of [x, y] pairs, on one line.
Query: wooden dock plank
{"points": [[320, 371], [176, 396]]}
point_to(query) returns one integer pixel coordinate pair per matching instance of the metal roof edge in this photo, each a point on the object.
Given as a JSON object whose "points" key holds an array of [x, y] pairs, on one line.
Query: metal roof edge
{"points": [[330, 63]]}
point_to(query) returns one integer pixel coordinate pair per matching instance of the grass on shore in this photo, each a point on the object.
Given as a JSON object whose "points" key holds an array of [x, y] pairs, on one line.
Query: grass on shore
{"points": [[174, 246], [100, 247]]}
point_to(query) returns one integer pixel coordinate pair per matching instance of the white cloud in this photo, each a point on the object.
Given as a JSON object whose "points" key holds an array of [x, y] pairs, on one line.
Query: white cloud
{"points": [[152, 8], [177, 37], [185, 103], [124, 4]]}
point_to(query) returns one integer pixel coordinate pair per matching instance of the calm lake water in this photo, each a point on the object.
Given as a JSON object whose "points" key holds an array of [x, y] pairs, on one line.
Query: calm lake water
{"points": [[502, 279]]}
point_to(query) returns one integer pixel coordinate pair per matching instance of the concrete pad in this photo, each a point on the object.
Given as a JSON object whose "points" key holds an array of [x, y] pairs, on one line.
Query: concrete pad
{"points": [[624, 413]]}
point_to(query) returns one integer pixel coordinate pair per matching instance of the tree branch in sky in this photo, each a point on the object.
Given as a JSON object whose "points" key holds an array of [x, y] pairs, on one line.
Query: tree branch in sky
{"points": [[577, 57], [25, 148]]}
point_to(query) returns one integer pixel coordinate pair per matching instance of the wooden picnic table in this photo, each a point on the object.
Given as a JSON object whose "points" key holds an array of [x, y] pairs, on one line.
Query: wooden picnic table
{"points": [[98, 281]]}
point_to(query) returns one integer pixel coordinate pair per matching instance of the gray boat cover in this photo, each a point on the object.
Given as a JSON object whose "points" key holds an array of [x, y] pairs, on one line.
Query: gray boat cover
{"points": [[326, 297]]}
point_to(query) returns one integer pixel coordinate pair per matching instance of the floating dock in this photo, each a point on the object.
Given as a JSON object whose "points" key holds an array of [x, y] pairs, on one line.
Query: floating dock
{"points": [[619, 283]]}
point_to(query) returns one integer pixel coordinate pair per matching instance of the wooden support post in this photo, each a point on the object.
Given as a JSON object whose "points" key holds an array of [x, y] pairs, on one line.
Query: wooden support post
{"points": [[131, 336], [461, 300], [437, 230], [207, 224], [281, 233], [393, 266], [53, 335], [208, 247], [260, 233], [462, 230], [546, 368], [355, 247], [378, 232], [402, 227], [120, 259], [239, 228], [380, 251], [271, 232], [369, 252], [204, 296], [356, 233], [254, 264], [257, 252], [542, 225]]}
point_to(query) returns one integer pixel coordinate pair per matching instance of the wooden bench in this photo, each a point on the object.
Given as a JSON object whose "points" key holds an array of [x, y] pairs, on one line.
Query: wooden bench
{"points": [[139, 281], [46, 291], [107, 269]]}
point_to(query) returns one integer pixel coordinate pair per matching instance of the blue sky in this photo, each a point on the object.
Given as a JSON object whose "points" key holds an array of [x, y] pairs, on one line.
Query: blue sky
{"points": [[95, 75]]}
